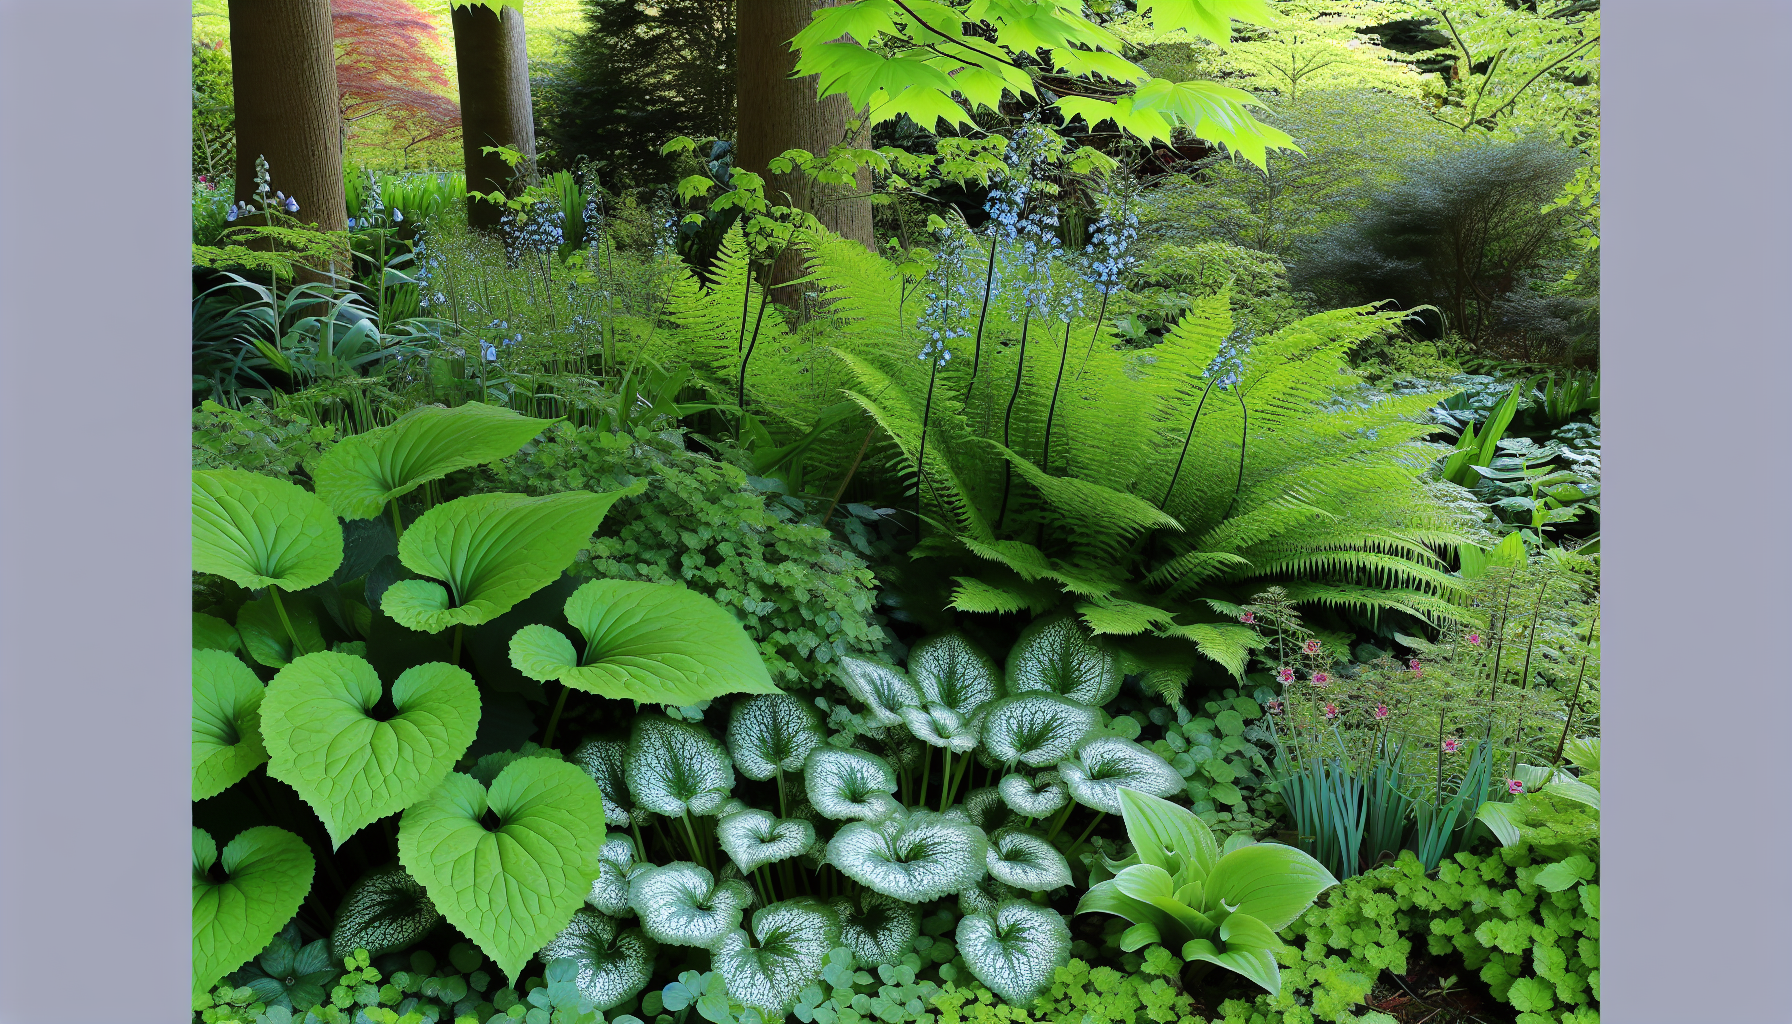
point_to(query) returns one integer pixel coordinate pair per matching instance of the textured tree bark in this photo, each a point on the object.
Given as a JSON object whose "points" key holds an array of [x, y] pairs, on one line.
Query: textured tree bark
{"points": [[775, 112], [492, 64], [283, 76]]}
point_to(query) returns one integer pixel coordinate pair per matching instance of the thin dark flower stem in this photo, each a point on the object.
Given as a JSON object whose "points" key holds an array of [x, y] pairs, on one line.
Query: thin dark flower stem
{"points": [[849, 473], [989, 278], [921, 454], [1529, 645], [1244, 430], [740, 398], [1020, 372], [547, 739], [1045, 451], [1094, 335], [1089, 830], [1574, 702], [1165, 503]]}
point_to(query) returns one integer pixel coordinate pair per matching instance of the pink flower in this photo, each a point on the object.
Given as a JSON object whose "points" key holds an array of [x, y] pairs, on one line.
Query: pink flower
{"points": [[1451, 746], [1311, 647], [1475, 638], [1275, 707], [1321, 679], [1514, 787], [1331, 710], [1417, 669], [1381, 712], [1286, 675], [1247, 617]]}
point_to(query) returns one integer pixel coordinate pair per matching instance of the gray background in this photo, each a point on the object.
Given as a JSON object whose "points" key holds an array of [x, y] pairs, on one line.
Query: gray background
{"points": [[94, 295]]}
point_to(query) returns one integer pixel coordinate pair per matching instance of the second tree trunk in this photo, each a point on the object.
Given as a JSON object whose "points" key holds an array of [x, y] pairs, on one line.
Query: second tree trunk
{"points": [[492, 64]]}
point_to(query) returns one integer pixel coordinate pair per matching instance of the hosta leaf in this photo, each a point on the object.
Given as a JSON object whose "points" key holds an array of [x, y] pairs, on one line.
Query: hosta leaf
{"points": [[878, 929], [1036, 797], [772, 734], [364, 471], [940, 726], [754, 837], [1150, 884], [616, 869], [916, 859], [883, 689], [266, 872], [1273, 883], [846, 784], [1168, 836], [492, 550], [1026, 861], [511, 887], [603, 760], [1016, 950], [793, 940], [226, 722], [259, 532], [211, 633], [1057, 655], [386, 910], [1036, 729], [681, 904], [948, 669], [1104, 765], [649, 642], [1257, 964], [675, 768], [611, 965], [351, 767]]}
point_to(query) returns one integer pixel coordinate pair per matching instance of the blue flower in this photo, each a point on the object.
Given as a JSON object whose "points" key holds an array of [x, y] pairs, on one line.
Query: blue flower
{"points": [[230, 214], [351, 222], [488, 351], [292, 205], [397, 214]]}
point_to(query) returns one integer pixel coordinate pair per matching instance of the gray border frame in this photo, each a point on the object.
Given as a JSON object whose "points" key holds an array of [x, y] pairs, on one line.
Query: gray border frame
{"points": [[93, 537]]}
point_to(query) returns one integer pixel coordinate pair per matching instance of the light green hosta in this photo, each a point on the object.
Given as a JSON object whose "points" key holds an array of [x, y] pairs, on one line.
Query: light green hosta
{"points": [[611, 965], [258, 532], [1221, 909], [266, 872], [1015, 949], [675, 768]]}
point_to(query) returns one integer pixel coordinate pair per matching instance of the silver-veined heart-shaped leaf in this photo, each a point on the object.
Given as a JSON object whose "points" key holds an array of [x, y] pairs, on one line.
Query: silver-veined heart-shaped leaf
{"points": [[1015, 951], [617, 868], [352, 768], [1106, 764], [386, 910], [611, 965], [258, 532], [915, 859], [1037, 797], [512, 887], [649, 642], [681, 904], [1058, 655], [226, 722], [364, 471], [950, 670], [772, 734], [676, 768], [938, 725], [603, 760], [266, 872], [984, 808], [492, 550], [884, 689], [878, 929], [845, 784], [1036, 729], [793, 940], [986, 896], [754, 837], [1026, 860]]}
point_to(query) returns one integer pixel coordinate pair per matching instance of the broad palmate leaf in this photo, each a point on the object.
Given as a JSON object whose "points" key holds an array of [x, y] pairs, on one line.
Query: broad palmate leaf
{"points": [[364, 471], [266, 872], [257, 531]]}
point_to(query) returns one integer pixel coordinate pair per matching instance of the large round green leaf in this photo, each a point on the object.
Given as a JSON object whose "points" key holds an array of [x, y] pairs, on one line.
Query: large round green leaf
{"points": [[386, 910], [364, 471], [794, 938], [649, 642], [226, 722], [511, 884], [773, 733], [1016, 951], [266, 872], [675, 768], [1058, 655], [916, 859], [611, 965], [492, 550], [258, 532], [1036, 729], [950, 670], [352, 768]]}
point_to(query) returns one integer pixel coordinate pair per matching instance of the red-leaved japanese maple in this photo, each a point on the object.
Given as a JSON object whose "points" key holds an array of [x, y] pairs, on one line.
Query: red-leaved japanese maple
{"points": [[387, 64]]}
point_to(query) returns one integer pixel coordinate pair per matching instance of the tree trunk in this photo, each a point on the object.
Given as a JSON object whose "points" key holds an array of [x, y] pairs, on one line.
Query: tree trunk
{"points": [[775, 112], [283, 77], [492, 64]]}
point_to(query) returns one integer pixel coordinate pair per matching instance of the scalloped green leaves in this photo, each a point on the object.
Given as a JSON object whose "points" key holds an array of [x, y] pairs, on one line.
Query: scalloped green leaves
{"points": [[682, 904], [844, 784], [241, 900], [353, 769], [509, 882], [674, 768], [914, 859], [610, 965], [226, 722], [258, 532], [753, 838], [647, 642], [386, 910], [1015, 950], [771, 734], [883, 689], [360, 474], [1104, 765], [1057, 655], [492, 550], [793, 939], [1036, 729]]}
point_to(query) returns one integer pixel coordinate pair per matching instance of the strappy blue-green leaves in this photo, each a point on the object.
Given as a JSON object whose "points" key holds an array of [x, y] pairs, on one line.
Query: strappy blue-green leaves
{"points": [[226, 722], [259, 882], [258, 532], [363, 471]]}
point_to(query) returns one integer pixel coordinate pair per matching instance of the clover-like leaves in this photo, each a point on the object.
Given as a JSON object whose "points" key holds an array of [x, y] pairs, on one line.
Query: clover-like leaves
{"points": [[883, 689], [350, 767], [771, 734], [1016, 950], [267, 872], [1106, 764], [878, 929], [386, 910], [603, 760], [258, 532], [845, 784], [1057, 655], [648, 642], [512, 888], [364, 471], [1036, 729], [616, 869], [753, 838], [951, 671], [1036, 797], [682, 904], [226, 722], [793, 940], [611, 965], [675, 768], [915, 859], [1026, 860]]}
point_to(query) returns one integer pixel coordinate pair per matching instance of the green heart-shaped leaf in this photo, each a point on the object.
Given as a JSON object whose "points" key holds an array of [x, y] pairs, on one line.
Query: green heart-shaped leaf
{"points": [[264, 636], [211, 633], [350, 767], [610, 966], [226, 722], [361, 473], [1036, 729], [1016, 950], [674, 768], [794, 938], [1058, 655], [261, 532], [771, 734], [492, 550], [385, 911], [950, 670], [267, 872], [647, 642], [512, 885]]}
